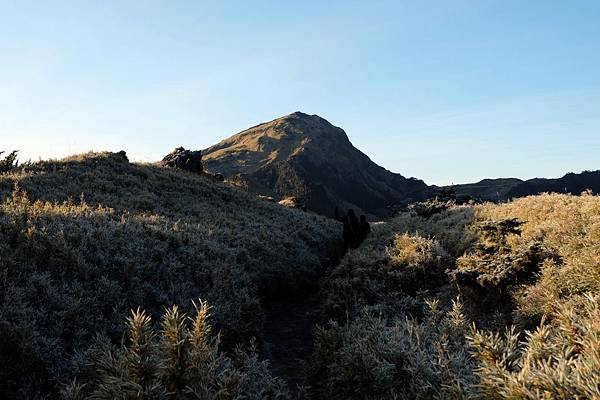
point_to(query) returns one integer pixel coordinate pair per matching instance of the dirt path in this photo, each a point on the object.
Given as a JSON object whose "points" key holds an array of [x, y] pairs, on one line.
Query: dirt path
{"points": [[289, 337]]}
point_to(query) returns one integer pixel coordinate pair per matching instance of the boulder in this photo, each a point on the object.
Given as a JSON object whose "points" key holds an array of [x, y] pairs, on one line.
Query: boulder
{"points": [[186, 160]]}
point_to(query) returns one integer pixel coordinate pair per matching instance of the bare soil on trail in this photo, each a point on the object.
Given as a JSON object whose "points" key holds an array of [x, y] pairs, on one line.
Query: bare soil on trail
{"points": [[289, 337]]}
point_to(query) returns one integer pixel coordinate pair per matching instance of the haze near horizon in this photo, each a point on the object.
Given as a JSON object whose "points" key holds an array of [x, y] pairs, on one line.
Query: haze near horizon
{"points": [[445, 92]]}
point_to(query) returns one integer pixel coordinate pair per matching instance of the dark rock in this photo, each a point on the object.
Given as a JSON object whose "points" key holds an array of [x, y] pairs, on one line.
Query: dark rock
{"points": [[186, 160], [123, 155]]}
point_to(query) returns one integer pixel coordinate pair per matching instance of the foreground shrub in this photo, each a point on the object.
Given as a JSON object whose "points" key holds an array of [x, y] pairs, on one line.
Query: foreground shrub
{"points": [[532, 262], [180, 361], [558, 360], [386, 341], [375, 358]]}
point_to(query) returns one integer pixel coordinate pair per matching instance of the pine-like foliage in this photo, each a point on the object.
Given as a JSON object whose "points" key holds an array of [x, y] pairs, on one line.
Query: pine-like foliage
{"points": [[9, 162], [532, 262], [558, 360], [403, 358], [85, 239], [180, 361]]}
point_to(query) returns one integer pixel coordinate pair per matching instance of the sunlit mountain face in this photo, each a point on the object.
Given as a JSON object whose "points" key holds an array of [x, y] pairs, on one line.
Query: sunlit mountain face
{"points": [[306, 157]]}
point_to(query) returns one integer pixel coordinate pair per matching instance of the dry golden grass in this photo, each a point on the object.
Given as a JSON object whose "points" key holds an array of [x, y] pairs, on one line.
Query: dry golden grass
{"points": [[569, 224], [377, 301]]}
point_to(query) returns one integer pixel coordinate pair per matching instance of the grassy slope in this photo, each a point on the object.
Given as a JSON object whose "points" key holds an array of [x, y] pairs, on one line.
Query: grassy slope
{"points": [[397, 328], [85, 239]]}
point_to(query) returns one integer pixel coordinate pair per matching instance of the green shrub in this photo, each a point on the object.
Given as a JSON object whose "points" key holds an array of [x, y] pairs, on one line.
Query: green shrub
{"points": [[375, 358], [569, 229], [384, 273], [533, 261], [180, 361], [85, 239], [558, 360]]}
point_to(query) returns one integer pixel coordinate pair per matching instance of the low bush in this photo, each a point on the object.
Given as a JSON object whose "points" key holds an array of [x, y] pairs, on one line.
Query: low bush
{"points": [[375, 358], [528, 268], [560, 359], [180, 361], [385, 274], [493, 264], [429, 208]]}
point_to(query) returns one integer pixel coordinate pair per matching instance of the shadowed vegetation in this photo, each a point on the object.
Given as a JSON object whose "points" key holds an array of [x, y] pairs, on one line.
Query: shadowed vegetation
{"points": [[86, 239], [180, 361], [9, 162]]}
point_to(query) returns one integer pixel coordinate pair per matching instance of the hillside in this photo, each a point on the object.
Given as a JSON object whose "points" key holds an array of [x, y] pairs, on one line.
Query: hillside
{"points": [[570, 183], [86, 239], [509, 188], [102, 258], [487, 301], [488, 189], [306, 157]]}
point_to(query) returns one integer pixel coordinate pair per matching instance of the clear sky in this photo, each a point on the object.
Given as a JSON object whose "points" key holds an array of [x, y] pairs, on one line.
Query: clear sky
{"points": [[447, 91]]}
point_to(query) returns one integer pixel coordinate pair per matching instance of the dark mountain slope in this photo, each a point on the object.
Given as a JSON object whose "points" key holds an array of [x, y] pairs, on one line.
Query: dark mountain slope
{"points": [[305, 156], [570, 183], [488, 189], [509, 188]]}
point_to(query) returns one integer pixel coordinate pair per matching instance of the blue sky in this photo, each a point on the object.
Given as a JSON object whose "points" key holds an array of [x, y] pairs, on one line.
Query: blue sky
{"points": [[447, 91]]}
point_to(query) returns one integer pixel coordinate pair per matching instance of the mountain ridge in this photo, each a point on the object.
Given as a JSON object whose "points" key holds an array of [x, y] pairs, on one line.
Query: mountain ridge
{"points": [[501, 189], [307, 157]]}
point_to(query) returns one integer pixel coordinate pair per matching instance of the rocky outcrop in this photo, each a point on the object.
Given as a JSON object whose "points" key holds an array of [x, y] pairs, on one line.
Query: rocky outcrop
{"points": [[186, 160]]}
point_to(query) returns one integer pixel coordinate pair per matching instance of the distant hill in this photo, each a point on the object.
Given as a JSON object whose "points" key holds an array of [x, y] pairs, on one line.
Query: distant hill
{"points": [[488, 189], [570, 183], [306, 157], [508, 188]]}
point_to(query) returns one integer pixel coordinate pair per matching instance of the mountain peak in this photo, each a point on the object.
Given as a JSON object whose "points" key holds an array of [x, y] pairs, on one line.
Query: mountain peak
{"points": [[302, 117], [307, 157], [299, 116]]}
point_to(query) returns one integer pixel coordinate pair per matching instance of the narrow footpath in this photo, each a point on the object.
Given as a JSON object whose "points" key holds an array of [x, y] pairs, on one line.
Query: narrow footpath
{"points": [[289, 337]]}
